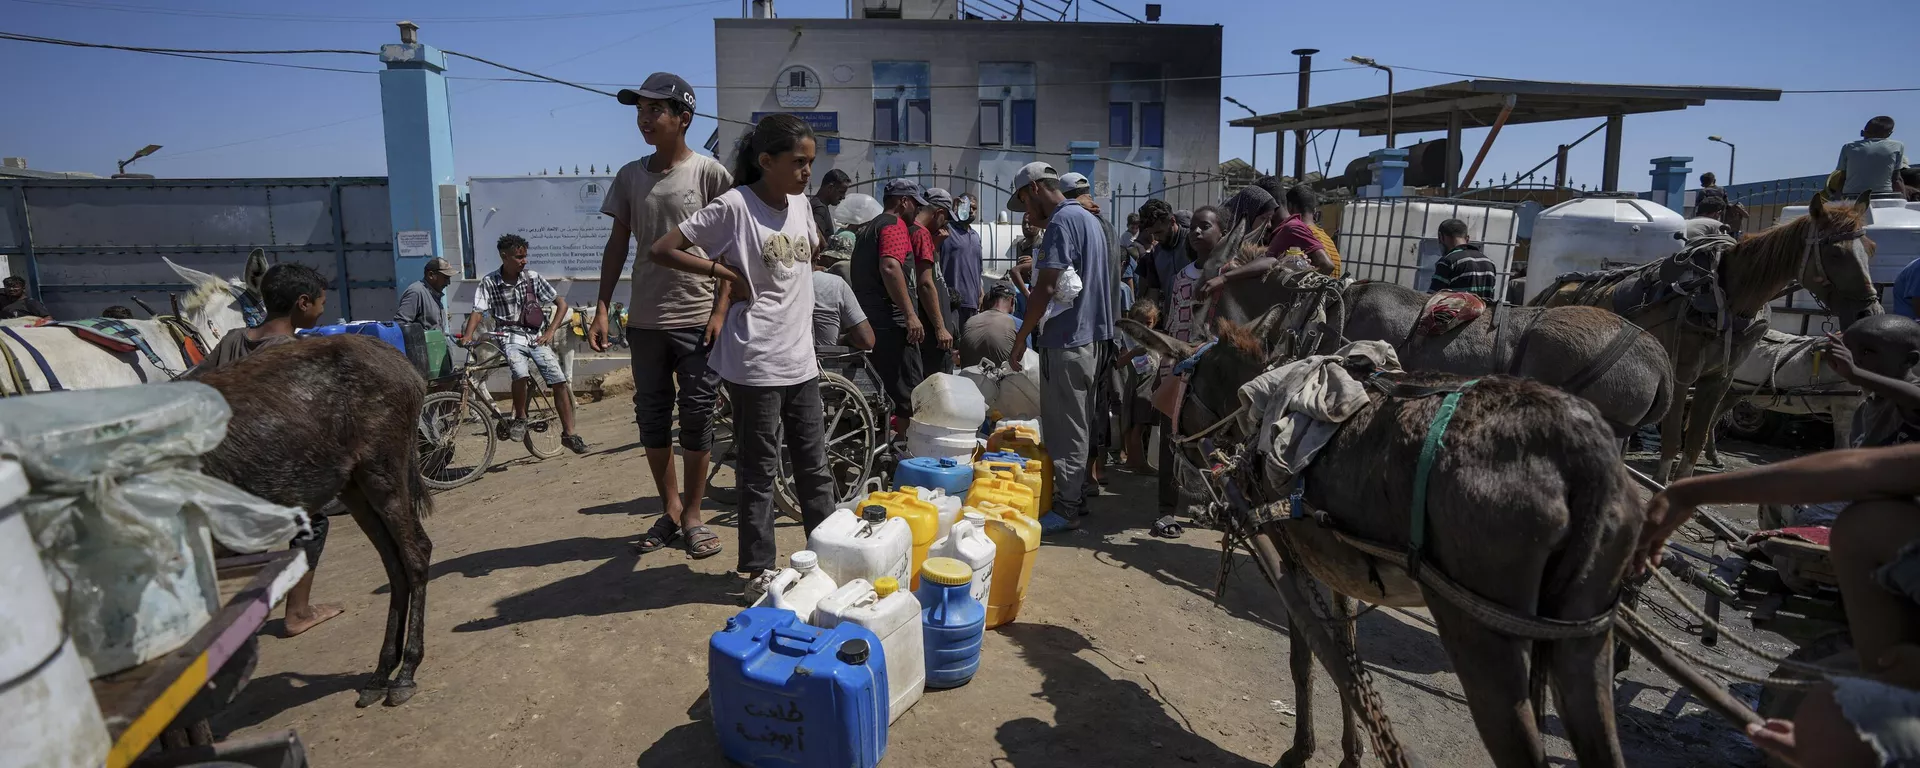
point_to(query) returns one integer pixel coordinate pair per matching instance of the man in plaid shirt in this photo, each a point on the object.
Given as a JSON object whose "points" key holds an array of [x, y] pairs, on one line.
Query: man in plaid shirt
{"points": [[522, 304]]}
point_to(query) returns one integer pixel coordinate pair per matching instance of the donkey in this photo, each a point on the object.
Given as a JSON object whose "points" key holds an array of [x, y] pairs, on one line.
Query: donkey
{"points": [[1527, 506], [334, 417], [1826, 250]]}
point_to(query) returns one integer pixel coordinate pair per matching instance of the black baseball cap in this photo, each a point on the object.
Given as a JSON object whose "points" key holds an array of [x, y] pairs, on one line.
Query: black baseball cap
{"points": [[664, 86]]}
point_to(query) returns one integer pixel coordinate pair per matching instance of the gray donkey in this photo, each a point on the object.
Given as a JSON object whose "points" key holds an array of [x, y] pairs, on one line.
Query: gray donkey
{"points": [[1527, 507]]}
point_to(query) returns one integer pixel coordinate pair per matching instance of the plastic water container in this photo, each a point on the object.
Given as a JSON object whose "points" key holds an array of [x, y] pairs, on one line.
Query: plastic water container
{"points": [[55, 721], [384, 330], [922, 516], [985, 378], [894, 617], [946, 400], [786, 694], [969, 543], [948, 507], [1018, 395], [799, 586], [952, 621], [932, 441], [1023, 439], [1016, 540], [946, 474], [1001, 465], [868, 546], [1005, 492]]}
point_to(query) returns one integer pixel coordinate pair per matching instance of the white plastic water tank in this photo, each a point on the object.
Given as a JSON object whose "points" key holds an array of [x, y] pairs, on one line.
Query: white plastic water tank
{"points": [[1893, 226], [1594, 233], [1396, 240]]}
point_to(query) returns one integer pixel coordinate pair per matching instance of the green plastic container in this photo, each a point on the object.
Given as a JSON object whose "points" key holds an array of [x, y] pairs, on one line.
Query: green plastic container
{"points": [[439, 362]]}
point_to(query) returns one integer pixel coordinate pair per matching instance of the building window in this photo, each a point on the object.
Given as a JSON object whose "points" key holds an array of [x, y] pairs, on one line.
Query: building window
{"points": [[1023, 119], [990, 123], [1153, 118], [1120, 124], [886, 121], [920, 121]]}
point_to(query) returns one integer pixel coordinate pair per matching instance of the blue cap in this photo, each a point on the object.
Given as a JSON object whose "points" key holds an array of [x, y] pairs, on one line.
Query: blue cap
{"points": [[904, 188]]}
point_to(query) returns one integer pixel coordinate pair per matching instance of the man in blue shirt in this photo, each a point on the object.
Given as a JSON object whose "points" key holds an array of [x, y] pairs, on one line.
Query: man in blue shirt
{"points": [[960, 259], [1904, 300], [1073, 343]]}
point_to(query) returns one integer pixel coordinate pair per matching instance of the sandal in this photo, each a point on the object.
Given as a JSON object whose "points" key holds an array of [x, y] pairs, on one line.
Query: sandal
{"points": [[662, 535], [703, 543]]}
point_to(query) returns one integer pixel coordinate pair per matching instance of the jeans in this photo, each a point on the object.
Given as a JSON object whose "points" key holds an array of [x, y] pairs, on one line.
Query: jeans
{"points": [[761, 416], [898, 364], [1069, 399], [522, 358], [662, 358]]}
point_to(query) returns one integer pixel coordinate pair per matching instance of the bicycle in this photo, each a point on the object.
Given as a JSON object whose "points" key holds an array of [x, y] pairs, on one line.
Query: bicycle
{"points": [[459, 428]]}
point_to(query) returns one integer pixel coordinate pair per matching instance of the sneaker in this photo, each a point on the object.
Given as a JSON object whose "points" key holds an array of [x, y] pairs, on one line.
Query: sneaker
{"points": [[517, 429], [1054, 522], [757, 587], [574, 443]]}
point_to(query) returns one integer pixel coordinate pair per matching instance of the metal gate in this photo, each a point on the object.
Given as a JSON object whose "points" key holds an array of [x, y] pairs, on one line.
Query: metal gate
{"points": [[87, 244], [1198, 191]]}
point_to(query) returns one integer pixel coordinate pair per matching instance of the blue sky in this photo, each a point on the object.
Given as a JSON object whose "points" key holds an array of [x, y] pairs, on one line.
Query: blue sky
{"points": [[72, 109]]}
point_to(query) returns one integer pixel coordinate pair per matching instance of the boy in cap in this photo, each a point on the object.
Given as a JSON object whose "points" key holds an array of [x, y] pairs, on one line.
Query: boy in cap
{"points": [[936, 300], [884, 268], [671, 323], [1073, 345]]}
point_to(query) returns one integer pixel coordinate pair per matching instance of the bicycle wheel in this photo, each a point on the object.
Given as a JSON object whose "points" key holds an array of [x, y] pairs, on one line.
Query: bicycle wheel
{"points": [[543, 424], [456, 440], [852, 432]]}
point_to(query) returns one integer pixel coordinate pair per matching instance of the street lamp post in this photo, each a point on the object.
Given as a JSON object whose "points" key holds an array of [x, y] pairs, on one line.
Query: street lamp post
{"points": [[1730, 153], [1255, 160], [144, 151], [1367, 62]]}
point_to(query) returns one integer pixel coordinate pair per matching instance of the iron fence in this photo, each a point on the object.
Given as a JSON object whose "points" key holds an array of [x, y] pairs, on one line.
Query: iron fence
{"points": [[1182, 190]]}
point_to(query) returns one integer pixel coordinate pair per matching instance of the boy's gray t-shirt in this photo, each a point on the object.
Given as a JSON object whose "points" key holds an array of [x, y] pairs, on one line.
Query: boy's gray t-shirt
{"points": [[1870, 164], [834, 309], [1074, 238], [651, 204]]}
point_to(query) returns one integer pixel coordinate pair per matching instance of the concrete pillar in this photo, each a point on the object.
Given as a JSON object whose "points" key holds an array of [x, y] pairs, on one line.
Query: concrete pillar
{"points": [[1389, 168], [419, 132], [1083, 157], [1670, 182]]}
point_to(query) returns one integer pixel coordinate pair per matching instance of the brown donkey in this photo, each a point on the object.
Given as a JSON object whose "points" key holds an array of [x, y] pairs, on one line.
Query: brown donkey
{"points": [[334, 417], [1527, 506]]}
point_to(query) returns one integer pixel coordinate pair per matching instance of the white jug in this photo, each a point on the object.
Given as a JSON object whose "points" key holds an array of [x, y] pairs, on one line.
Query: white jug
{"points": [[850, 547], [799, 587], [946, 400], [893, 615], [948, 505], [968, 543]]}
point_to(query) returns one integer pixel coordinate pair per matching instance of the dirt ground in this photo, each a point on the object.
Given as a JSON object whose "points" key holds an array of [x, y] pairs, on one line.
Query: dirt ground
{"points": [[551, 643]]}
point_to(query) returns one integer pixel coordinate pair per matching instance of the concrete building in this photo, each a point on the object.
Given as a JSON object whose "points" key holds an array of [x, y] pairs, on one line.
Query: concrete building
{"points": [[995, 94]]}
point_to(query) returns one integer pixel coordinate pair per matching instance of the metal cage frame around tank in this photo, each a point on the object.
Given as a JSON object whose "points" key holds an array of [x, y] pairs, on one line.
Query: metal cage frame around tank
{"points": [[1367, 235]]}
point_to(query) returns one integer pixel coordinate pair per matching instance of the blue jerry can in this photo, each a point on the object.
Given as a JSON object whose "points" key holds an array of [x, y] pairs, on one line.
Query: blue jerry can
{"points": [[789, 694], [384, 330]]}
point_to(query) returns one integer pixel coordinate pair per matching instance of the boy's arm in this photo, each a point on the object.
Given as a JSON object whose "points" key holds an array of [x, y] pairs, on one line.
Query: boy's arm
{"points": [[722, 298], [473, 326], [930, 301], [613, 259], [555, 320]]}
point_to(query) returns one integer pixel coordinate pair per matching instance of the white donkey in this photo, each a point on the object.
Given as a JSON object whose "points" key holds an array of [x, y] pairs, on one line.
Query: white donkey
{"points": [[1789, 374], [210, 309]]}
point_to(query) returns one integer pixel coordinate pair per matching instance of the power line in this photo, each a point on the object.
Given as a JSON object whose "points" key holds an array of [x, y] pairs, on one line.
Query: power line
{"points": [[254, 16], [144, 49]]}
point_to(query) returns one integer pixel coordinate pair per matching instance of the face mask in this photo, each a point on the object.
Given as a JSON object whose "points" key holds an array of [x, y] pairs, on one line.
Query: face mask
{"points": [[963, 212]]}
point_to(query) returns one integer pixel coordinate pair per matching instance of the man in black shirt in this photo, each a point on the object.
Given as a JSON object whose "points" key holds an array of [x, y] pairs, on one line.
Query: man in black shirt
{"points": [[833, 189], [1463, 267], [14, 301], [1153, 275]]}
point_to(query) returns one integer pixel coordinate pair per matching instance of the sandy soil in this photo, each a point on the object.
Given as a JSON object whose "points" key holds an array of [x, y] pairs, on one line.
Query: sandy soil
{"points": [[551, 643]]}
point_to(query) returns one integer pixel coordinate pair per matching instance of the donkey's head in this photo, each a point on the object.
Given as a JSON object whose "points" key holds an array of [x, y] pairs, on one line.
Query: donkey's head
{"points": [[1836, 266], [1236, 355], [212, 307]]}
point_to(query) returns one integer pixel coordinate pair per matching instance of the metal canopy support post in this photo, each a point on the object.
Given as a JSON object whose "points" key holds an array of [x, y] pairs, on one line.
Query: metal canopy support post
{"points": [[1610, 167], [1560, 168], [1506, 111], [419, 135], [1453, 152]]}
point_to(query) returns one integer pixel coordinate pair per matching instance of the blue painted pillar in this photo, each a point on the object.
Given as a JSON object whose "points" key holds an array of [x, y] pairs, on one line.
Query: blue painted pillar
{"points": [[1389, 168], [419, 131], [1083, 157], [1670, 182]]}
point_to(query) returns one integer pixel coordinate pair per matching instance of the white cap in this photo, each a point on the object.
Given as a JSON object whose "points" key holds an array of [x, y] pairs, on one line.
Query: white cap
{"points": [[974, 517], [804, 560]]}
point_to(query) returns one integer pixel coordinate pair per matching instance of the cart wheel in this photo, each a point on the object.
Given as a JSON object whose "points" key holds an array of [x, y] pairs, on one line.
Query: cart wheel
{"points": [[1834, 649], [1749, 422], [852, 433]]}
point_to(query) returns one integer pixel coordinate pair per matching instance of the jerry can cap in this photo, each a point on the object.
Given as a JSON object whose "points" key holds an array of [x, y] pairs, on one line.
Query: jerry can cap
{"points": [[886, 585], [946, 571], [854, 651]]}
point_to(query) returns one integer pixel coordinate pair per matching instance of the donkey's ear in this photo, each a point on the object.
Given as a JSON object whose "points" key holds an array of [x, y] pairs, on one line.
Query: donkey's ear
{"points": [[1861, 203], [1817, 207], [1162, 344], [1269, 323]]}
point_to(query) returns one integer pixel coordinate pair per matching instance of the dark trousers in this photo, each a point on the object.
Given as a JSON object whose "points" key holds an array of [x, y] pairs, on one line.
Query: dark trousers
{"points": [[1169, 482], [662, 359], [933, 359], [761, 417], [898, 364]]}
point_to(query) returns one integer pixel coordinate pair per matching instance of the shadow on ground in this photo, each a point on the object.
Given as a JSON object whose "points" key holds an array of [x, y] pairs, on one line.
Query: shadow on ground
{"points": [[613, 586], [265, 697]]}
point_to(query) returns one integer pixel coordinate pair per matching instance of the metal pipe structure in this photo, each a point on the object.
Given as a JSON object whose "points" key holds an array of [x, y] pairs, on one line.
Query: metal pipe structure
{"points": [[1730, 152], [1366, 62], [1299, 136], [1254, 161]]}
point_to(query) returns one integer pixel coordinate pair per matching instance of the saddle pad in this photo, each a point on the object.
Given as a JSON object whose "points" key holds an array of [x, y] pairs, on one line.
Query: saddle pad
{"points": [[111, 335], [1448, 310], [1810, 534]]}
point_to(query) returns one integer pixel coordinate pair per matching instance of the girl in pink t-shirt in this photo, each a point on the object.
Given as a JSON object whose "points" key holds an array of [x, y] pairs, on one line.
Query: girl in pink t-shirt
{"points": [[761, 239]]}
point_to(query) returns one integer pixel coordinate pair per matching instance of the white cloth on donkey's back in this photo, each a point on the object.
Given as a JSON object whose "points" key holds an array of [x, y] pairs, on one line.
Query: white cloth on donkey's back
{"points": [[1297, 407]]}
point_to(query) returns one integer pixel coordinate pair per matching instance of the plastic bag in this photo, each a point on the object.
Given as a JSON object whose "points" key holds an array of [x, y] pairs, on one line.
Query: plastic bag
{"points": [[1065, 291], [121, 512]]}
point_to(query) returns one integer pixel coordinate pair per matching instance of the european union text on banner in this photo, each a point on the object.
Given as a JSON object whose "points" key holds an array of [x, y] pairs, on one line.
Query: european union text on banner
{"points": [[820, 122]]}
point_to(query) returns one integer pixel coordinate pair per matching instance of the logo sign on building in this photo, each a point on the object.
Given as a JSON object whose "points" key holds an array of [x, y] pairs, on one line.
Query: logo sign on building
{"points": [[797, 87], [558, 215]]}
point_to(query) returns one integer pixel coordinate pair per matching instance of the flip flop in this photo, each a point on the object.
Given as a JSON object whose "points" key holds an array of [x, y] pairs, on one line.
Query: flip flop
{"points": [[1167, 528], [699, 538], [662, 535]]}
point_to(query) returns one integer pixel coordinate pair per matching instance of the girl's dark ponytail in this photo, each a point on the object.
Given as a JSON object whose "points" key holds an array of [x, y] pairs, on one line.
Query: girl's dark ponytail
{"points": [[774, 134]]}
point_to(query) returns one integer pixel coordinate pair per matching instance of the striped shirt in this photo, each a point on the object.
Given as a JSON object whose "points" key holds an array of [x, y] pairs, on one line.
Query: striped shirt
{"points": [[1468, 270]]}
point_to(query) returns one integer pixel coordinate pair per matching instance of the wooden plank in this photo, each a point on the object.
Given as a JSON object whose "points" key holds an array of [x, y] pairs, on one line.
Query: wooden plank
{"points": [[1400, 112]]}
